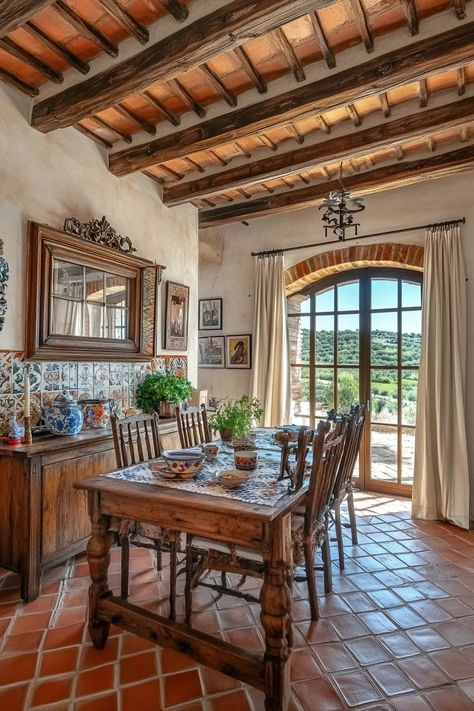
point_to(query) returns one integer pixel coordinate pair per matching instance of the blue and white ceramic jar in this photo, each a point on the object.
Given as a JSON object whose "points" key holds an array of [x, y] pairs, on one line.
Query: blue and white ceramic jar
{"points": [[64, 417]]}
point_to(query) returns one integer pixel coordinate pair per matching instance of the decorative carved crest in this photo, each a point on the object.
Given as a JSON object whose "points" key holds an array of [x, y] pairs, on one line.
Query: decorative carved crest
{"points": [[100, 232]]}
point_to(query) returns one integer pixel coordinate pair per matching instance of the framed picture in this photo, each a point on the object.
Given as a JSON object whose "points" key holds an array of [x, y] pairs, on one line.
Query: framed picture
{"points": [[176, 319], [239, 351], [210, 314], [211, 352]]}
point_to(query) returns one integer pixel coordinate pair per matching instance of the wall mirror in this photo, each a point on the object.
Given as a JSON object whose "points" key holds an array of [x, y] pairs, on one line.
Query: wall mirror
{"points": [[86, 300]]}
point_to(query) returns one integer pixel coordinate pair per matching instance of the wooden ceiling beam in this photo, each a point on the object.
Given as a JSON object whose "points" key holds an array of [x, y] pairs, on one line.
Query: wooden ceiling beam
{"points": [[16, 83], [460, 8], [86, 30], [409, 7], [385, 104], [192, 45], [93, 136], [126, 20], [172, 118], [334, 149], [14, 14], [23, 55], [362, 23], [120, 134], [186, 97], [286, 48], [218, 84], [447, 49], [383, 178], [423, 93], [137, 120], [176, 9], [353, 115], [461, 79], [328, 54], [57, 47], [255, 77]]}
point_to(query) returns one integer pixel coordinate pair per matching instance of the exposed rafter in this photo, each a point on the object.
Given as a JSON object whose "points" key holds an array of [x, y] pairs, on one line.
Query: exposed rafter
{"points": [[405, 64], [14, 13], [175, 8], [254, 76], [86, 29], [383, 178], [411, 12], [362, 22], [172, 118], [56, 47], [17, 51], [335, 149], [193, 44], [326, 50], [124, 18], [218, 84], [186, 97], [289, 53]]}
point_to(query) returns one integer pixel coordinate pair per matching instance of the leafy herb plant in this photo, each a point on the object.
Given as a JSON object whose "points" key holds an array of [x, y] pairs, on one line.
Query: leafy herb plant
{"points": [[236, 416], [159, 387]]}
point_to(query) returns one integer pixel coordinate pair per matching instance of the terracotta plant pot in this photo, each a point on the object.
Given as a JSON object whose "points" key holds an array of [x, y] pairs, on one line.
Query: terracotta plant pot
{"points": [[226, 435]]}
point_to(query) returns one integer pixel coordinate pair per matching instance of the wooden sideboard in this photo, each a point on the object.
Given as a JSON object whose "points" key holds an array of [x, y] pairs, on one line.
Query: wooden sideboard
{"points": [[44, 520]]}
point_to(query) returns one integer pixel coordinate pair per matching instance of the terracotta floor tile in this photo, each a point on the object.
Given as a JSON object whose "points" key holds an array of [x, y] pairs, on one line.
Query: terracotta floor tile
{"points": [[48, 692], [247, 638], [390, 679], [430, 611], [63, 636], [349, 626], [138, 667], [105, 702], [399, 645], [318, 631], [321, 689], [457, 633], [235, 617], [26, 642], [93, 681], [453, 663], [173, 661], [45, 603], [410, 702], [427, 639], [13, 697], [234, 701], [303, 666], [368, 650], [423, 672], [59, 661], [334, 657], [17, 668], [405, 617], [142, 697], [357, 688], [366, 581], [215, 682], [92, 657], [131, 644], [28, 623], [70, 616], [383, 598], [377, 622], [182, 687], [449, 699]]}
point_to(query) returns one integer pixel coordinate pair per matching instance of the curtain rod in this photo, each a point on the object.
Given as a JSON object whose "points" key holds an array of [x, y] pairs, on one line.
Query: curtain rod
{"points": [[269, 252]]}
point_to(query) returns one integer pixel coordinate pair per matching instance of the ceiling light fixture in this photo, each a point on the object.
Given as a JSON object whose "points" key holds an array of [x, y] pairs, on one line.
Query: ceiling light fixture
{"points": [[340, 207]]}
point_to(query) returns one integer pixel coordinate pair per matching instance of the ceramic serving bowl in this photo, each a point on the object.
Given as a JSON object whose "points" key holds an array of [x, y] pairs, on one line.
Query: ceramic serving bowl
{"points": [[232, 478], [210, 450], [183, 463], [245, 459]]}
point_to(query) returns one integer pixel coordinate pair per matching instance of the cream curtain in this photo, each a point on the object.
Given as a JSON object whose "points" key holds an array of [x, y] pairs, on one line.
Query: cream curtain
{"points": [[271, 373], [441, 478]]}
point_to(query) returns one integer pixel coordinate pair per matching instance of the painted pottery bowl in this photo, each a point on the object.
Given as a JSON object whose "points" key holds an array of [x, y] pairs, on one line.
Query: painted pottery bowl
{"points": [[210, 450], [64, 417], [245, 459], [96, 413], [182, 462], [232, 478]]}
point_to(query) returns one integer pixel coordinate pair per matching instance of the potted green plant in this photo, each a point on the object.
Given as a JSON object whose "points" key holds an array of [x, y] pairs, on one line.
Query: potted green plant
{"points": [[234, 418], [161, 391]]}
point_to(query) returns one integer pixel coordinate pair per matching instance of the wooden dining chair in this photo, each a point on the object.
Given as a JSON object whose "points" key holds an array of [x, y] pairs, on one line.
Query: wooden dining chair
{"points": [[343, 488], [136, 440], [193, 427], [203, 554], [295, 473]]}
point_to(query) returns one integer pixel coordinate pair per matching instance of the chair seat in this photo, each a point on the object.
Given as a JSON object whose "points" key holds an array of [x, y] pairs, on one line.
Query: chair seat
{"points": [[235, 551]]}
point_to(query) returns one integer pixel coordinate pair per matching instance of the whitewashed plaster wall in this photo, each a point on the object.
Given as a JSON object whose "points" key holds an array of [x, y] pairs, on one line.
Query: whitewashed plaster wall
{"points": [[226, 268], [46, 178]]}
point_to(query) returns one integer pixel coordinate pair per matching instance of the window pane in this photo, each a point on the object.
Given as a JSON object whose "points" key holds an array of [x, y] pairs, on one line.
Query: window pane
{"points": [[298, 335], [348, 339], [409, 390], [384, 396], [408, 455], [94, 320], [66, 317], [116, 290], [411, 337], [384, 338], [298, 304], [67, 279], [325, 339], [116, 323], [94, 285], [384, 294], [348, 297], [383, 453], [411, 294], [324, 391], [299, 383], [347, 388], [325, 300]]}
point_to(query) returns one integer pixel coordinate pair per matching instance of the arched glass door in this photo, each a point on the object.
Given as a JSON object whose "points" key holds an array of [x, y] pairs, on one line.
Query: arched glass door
{"points": [[357, 336]]}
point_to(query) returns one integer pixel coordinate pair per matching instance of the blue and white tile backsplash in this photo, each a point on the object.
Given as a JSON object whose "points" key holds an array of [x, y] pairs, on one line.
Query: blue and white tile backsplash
{"points": [[117, 381]]}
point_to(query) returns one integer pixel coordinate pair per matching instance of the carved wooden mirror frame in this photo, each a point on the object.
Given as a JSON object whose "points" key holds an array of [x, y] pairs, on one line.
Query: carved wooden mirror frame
{"points": [[46, 244]]}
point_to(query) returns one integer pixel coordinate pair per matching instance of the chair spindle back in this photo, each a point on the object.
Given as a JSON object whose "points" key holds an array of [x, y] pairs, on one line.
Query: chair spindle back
{"points": [[136, 439], [355, 427], [193, 427]]}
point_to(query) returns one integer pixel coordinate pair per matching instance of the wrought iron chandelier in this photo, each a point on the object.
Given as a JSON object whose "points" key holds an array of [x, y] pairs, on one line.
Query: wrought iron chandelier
{"points": [[340, 207]]}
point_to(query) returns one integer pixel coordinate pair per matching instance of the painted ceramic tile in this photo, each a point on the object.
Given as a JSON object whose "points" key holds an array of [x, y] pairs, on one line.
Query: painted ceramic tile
{"points": [[35, 409], [64, 368], [85, 376], [85, 395], [158, 365], [73, 367], [177, 365], [6, 367], [116, 393], [140, 372], [126, 368], [116, 373], [101, 392], [101, 375], [19, 374], [47, 399], [51, 376]]}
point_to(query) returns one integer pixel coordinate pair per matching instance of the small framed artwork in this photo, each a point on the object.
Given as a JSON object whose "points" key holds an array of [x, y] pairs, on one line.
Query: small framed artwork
{"points": [[239, 351], [176, 319], [211, 352], [210, 314]]}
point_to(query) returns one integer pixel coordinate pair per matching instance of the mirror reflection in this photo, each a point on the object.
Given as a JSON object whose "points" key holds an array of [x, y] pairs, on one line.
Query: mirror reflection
{"points": [[89, 302]]}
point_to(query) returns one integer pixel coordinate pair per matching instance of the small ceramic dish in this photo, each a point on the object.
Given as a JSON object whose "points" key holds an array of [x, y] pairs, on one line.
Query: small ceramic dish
{"points": [[161, 470], [183, 463], [232, 478]]}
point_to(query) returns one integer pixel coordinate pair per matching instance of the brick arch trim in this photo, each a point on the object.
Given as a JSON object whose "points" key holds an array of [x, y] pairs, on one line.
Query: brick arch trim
{"points": [[323, 264]]}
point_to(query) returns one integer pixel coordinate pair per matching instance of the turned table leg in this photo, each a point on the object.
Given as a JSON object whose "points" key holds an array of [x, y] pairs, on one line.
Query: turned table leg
{"points": [[98, 556], [275, 615]]}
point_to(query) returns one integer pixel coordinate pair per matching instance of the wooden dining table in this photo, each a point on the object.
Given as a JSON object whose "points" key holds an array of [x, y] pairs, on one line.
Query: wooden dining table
{"points": [[258, 516]]}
